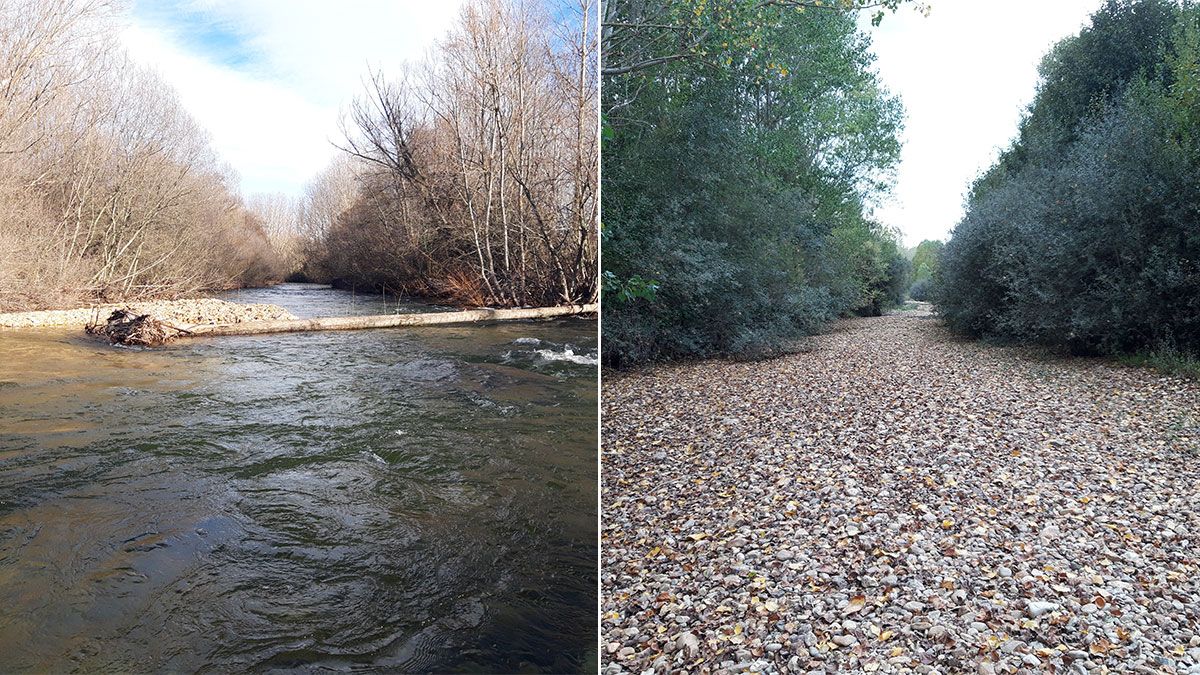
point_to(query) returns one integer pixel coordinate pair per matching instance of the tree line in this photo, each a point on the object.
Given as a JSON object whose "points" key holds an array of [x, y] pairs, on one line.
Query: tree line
{"points": [[744, 144], [1083, 234], [472, 176], [109, 190]]}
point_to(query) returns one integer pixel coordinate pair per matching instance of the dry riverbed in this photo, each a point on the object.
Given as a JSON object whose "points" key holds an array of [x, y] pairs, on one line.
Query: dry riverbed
{"points": [[179, 312], [899, 500]]}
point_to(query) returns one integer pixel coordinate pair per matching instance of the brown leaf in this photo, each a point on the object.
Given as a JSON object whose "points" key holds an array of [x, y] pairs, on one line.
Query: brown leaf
{"points": [[855, 606]]}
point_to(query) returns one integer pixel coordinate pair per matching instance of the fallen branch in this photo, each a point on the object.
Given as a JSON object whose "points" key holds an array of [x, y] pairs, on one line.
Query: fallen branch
{"points": [[127, 328]]}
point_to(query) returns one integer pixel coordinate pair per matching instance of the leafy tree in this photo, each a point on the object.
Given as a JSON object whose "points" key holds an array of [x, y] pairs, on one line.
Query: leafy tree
{"points": [[734, 196], [1090, 242], [925, 259], [639, 35], [924, 264]]}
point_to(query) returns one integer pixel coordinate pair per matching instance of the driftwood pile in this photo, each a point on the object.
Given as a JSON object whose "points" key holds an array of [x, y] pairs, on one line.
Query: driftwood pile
{"points": [[126, 327]]}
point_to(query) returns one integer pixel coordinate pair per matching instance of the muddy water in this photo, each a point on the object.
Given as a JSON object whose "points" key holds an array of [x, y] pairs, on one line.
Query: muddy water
{"points": [[406, 499]]}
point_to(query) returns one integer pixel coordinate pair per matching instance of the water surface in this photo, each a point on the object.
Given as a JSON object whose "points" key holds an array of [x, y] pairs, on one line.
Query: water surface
{"points": [[404, 499]]}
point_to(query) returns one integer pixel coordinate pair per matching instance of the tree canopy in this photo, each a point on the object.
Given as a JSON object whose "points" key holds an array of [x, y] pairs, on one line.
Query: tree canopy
{"points": [[737, 183], [1084, 232]]}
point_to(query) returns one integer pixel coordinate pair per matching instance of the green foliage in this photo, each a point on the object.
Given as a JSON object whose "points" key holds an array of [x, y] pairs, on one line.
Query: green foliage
{"points": [[924, 265], [720, 185], [921, 290], [1090, 241], [1165, 361], [641, 36], [925, 259], [627, 290]]}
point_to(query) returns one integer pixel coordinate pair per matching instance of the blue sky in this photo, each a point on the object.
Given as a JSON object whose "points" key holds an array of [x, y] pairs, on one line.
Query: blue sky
{"points": [[199, 30], [269, 78]]}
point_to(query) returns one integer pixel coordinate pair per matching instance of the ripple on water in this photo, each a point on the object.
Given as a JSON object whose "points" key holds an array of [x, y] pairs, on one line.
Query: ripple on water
{"points": [[404, 499]]}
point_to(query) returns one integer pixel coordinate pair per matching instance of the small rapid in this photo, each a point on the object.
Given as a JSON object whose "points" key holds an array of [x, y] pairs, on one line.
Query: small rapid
{"points": [[405, 499]]}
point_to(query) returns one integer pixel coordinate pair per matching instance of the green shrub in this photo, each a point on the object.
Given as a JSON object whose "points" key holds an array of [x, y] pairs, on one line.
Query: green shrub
{"points": [[1089, 240]]}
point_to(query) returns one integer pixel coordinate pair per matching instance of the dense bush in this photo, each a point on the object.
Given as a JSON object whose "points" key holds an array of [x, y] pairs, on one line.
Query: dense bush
{"points": [[1085, 234], [109, 190], [921, 290], [730, 224]]}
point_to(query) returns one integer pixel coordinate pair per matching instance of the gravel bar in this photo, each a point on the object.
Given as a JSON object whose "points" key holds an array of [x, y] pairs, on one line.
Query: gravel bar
{"points": [[197, 311], [900, 500]]}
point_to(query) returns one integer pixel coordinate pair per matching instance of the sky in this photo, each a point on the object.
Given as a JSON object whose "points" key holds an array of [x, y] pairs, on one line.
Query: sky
{"points": [[269, 78], [965, 74]]}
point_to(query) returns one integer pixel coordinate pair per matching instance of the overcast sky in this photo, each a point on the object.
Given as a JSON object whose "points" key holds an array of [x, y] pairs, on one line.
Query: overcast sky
{"points": [[965, 73], [268, 78]]}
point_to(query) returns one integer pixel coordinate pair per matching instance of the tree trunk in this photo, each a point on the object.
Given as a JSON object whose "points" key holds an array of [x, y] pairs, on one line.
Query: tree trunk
{"points": [[385, 321]]}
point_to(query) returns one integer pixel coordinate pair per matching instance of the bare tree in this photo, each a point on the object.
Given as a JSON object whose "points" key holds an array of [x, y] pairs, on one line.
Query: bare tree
{"points": [[482, 163], [108, 188]]}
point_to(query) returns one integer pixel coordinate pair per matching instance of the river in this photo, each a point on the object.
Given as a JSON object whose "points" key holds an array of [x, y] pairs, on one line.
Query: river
{"points": [[402, 499]]}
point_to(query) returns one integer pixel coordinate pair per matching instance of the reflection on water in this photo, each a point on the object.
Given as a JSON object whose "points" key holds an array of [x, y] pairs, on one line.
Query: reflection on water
{"points": [[413, 499]]}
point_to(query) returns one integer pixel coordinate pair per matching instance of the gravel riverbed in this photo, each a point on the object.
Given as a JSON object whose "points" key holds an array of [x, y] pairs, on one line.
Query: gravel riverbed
{"points": [[195, 311], [900, 500]]}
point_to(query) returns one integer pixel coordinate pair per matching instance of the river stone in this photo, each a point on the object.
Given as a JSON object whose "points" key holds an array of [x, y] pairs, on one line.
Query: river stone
{"points": [[1037, 608], [689, 644]]}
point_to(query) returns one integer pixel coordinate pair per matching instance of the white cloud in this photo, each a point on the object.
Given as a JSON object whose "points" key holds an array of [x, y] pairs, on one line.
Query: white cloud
{"points": [[273, 117], [965, 75]]}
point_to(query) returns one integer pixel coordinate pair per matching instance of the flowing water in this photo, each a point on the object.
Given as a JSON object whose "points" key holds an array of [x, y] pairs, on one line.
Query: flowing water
{"points": [[401, 499]]}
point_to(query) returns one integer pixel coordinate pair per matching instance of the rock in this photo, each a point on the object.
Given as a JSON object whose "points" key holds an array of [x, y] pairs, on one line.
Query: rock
{"points": [[785, 554], [689, 644], [844, 640], [1012, 647], [1036, 608]]}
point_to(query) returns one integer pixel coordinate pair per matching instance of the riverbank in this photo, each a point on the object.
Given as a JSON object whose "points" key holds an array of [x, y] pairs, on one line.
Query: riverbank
{"points": [[192, 311], [898, 498]]}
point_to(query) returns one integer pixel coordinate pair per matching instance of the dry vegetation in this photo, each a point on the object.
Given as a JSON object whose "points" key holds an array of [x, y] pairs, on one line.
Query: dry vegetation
{"points": [[471, 176], [108, 188], [901, 501]]}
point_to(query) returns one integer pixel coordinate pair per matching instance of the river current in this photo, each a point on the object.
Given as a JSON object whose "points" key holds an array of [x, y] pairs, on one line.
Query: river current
{"points": [[412, 499]]}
